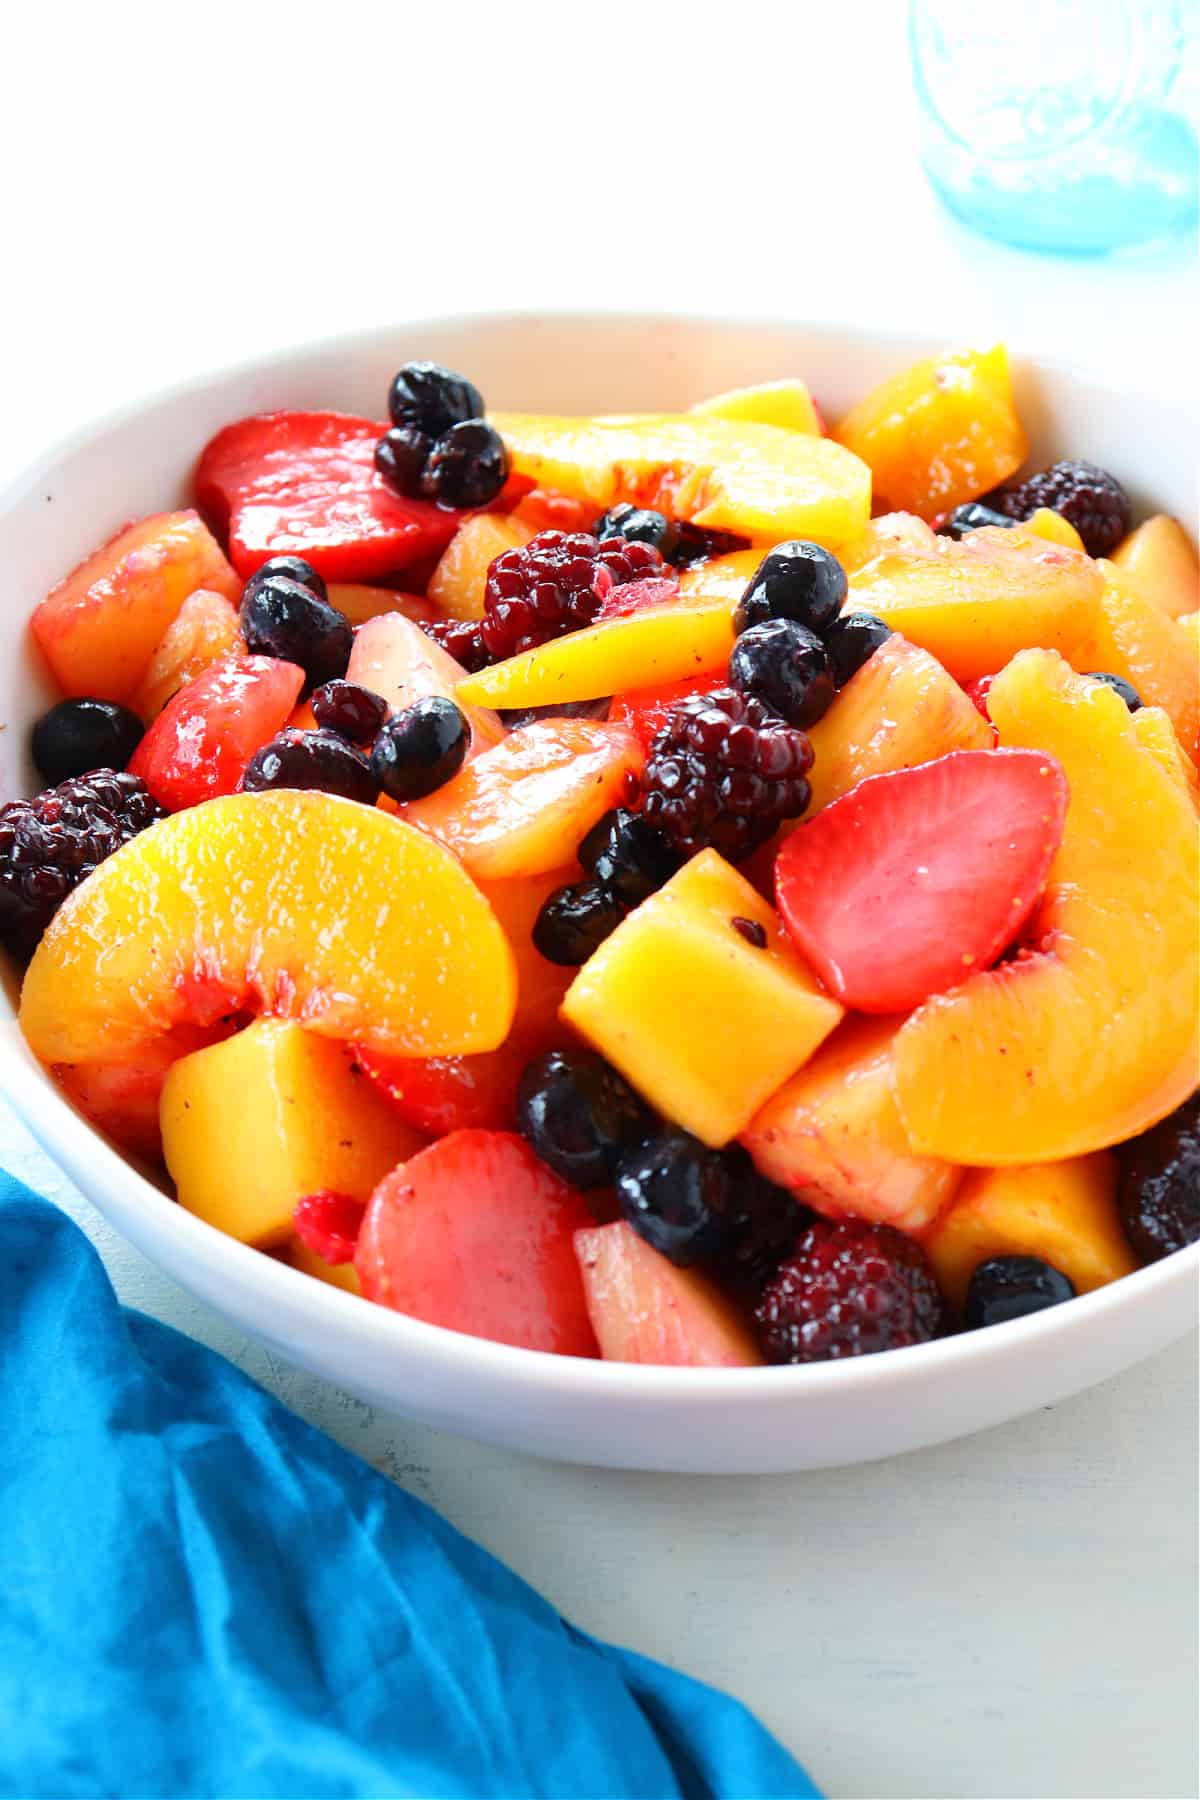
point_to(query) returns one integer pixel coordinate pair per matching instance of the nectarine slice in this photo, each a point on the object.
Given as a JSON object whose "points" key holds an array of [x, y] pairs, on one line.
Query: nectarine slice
{"points": [[457, 584], [204, 630], [1091, 1036], [1159, 560], [787, 403], [302, 905], [1133, 637], [394, 658], [645, 1310]]}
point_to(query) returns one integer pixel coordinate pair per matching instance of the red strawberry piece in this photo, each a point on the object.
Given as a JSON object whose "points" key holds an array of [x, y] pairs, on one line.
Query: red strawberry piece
{"points": [[637, 596], [915, 879], [437, 1094], [474, 1233], [645, 710], [200, 743], [329, 1224], [977, 693], [304, 484]]}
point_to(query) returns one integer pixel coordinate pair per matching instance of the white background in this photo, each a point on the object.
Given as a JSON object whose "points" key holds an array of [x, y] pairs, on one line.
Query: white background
{"points": [[1011, 1615]]}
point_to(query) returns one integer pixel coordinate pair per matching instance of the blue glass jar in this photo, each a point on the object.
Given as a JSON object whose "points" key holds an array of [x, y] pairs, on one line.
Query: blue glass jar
{"points": [[1062, 125]]}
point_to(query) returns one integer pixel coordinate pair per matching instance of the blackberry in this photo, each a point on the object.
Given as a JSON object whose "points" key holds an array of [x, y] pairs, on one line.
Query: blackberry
{"points": [[288, 568], [797, 580], [724, 772], [281, 618], [784, 665], [970, 517], [1009, 1287], [1092, 500], [420, 749], [852, 641], [353, 712], [1158, 1190], [400, 458], [574, 921], [319, 760], [579, 1115], [766, 1221], [467, 466], [461, 639], [432, 398], [554, 584], [849, 1289], [77, 736], [627, 857], [1119, 685], [50, 843]]}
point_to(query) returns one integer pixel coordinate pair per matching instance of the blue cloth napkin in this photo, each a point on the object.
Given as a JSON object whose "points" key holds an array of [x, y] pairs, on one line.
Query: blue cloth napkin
{"points": [[202, 1595]]}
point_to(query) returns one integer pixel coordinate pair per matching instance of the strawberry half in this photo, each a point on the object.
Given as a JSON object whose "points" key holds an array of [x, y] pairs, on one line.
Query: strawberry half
{"points": [[328, 1224], [201, 741], [913, 880], [304, 484]]}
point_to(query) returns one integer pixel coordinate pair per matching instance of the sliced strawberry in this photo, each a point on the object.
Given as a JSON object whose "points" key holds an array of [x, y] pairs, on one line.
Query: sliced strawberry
{"points": [[915, 879], [304, 484], [645, 710], [977, 693], [645, 1310], [474, 1233], [329, 1224], [201, 741], [437, 1094], [638, 596]]}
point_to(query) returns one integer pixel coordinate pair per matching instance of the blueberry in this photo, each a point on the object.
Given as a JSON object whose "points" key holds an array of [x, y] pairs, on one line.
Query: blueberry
{"points": [[1009, 1287], [467, 466], [639, 525], [400, 458], [797, 581], [579, 1115], [784, 665], [852, 641], [1158, 1192], [1119, 685], [281, 618], [421, 748], [77, 736], [291, 568], [627, 857], [574, 921], [970, 517], [432, 398], [312, 759], [679, 1195], [353, 712]]}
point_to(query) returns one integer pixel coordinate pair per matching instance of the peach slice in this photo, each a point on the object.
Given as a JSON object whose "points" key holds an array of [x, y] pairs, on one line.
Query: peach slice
{"points": [[1156, 733], [99, 628], [359, 603], [833, 1134], [974, 604], [900, 709], [1064, 1212], [1159, 560], [522, 807], [457, 584], [397, 660], [939, 433], [1091, 1037], [760, 480], [204, 630], [1135, 638], [302, 905], [724, 578], [644, 1310], [642, 649], [786, 403]]}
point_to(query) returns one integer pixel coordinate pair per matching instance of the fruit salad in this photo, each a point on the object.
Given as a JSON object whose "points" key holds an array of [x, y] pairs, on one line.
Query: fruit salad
{"points": [[702, 889]]}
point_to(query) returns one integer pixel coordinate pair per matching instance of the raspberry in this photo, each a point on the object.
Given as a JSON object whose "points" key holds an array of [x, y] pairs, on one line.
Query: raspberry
{"points": [[461, 639], [724, 771], [1092, 500], [328, 1224], [50, 843], [849, 1289], [554, 584]]}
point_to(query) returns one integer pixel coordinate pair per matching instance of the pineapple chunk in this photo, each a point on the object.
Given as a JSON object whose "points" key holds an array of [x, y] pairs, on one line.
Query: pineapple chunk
{"points": [[760, 480], [704, 1023], [253, 1124], [785, 403]]}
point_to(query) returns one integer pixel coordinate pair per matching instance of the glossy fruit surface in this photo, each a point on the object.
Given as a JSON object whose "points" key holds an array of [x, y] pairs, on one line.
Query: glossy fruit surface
{"points": [[644, 1310], [798, 581], [77, 736], [319, 760], [579, 1115], [286, 619], [457, 584], [786, 403], [201, 743], [1159, 559], [1134, 638], [420, 749], [204, 631], [1013, 1287], [398, 661]]}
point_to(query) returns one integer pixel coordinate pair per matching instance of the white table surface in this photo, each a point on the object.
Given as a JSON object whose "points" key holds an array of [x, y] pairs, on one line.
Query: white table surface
{"points": [[1011, 1615]]}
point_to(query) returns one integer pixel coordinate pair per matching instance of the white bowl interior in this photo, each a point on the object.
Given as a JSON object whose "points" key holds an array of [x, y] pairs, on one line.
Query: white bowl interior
{"points": [[712, 1420]]}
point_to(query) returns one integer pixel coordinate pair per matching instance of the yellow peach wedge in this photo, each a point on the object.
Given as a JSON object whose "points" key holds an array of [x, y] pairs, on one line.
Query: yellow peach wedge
{"points": [[785, 403], [1135, 638], [457, 584], [1159, 560]]}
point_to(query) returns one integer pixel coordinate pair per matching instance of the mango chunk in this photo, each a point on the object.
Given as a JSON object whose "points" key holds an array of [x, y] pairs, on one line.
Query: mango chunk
{"points": [[704, 1023], [730, 475], [785, 403], [251, 1125], [939, 433], [1063, 1212], [1159, 560]]}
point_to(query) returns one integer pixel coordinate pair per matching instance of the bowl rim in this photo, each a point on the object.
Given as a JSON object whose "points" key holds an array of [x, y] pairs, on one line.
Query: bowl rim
{"points": [[53, 1120]]}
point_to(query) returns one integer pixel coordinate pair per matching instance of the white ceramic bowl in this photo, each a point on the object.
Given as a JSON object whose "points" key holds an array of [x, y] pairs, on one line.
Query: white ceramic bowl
{"points": [[735, 1421]]}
